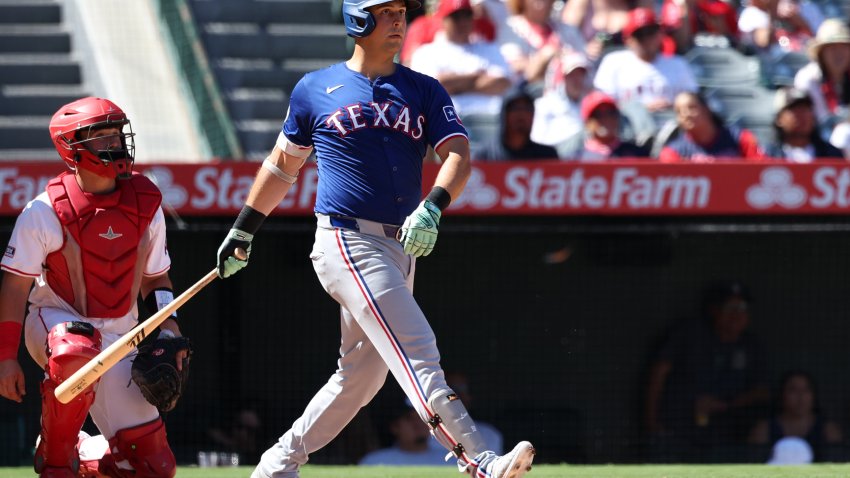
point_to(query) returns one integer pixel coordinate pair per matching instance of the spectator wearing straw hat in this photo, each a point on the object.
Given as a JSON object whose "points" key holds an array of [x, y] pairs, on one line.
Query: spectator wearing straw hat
{"points": [[827, 78]]}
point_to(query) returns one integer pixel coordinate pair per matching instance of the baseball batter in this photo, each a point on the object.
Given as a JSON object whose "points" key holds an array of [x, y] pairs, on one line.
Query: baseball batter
{"points": [[89, 244], [370, 122]]}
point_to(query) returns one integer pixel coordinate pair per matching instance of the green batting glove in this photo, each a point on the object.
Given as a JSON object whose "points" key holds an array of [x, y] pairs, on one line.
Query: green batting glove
{"points": [[419, 231], [227, 262]]}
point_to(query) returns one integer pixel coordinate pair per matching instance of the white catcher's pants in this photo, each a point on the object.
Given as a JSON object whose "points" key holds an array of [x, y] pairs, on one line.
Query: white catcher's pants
{"points": [[118, 402], [383, 329]]}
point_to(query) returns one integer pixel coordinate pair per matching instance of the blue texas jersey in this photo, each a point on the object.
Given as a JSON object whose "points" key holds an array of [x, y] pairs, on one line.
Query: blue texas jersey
{"points": [[370, 137]]}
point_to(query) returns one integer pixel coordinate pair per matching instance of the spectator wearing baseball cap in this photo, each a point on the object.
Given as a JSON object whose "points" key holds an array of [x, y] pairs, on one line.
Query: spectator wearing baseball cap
{"points": [[641, 73], [601, 138], [556, 113], [703, 138], [706, 385], [473, 72], [827, 78], [798, 138], [425, 28]]}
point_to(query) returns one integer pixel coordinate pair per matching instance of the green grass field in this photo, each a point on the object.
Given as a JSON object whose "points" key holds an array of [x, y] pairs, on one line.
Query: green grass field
{"points": [[542, 471]]}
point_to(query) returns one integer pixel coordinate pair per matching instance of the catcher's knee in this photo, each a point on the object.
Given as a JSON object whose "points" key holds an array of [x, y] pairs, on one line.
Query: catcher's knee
{"points": [[70, 345], [146, 448]]}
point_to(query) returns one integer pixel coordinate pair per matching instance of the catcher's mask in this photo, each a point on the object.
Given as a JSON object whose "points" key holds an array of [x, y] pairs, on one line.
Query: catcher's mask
{"points": [[89, 134]]}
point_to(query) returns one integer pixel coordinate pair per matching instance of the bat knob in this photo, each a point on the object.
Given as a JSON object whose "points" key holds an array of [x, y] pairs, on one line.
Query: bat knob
{"points": [[240, 254]]}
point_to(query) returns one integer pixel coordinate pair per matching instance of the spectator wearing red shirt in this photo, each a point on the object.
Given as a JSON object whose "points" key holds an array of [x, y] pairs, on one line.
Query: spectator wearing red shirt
{"points": [[704, 139], [684, 19]]}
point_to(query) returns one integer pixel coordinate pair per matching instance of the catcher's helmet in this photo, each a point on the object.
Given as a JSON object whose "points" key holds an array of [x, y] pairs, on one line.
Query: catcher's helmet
{"points": [[78, 150], [358, 21]]}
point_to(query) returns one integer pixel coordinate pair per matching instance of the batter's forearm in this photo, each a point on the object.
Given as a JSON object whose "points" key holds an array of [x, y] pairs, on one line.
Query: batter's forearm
{"points": [[453, 174], [456, 168], [274, 179], [267, 192]]}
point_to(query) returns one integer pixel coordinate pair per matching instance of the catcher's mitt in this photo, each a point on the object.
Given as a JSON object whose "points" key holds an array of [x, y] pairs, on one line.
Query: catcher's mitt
{"points": [[155, 372]]}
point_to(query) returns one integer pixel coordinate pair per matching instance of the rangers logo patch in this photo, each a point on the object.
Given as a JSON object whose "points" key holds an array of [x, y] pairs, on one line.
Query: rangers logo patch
{"points": [[10, 252], [451, 114]]}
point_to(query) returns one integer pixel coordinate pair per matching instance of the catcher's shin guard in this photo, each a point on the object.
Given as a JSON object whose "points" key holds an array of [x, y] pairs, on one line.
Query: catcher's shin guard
{"points": [[453, 427], [69, 346], [145, 447]]}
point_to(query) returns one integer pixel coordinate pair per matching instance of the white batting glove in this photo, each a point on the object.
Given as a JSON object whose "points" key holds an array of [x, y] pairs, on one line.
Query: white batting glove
{"points": [[419, 231]]}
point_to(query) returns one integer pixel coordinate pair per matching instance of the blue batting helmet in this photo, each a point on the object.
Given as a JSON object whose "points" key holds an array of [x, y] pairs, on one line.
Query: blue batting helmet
{"points": [[358, 21]]}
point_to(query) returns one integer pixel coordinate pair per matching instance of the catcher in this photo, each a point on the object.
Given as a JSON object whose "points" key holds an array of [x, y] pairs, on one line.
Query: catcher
{"points": [[90, 244]]}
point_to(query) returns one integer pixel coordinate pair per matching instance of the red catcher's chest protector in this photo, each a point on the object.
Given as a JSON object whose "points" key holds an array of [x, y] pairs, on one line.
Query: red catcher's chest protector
{"points": [[107, 233]]}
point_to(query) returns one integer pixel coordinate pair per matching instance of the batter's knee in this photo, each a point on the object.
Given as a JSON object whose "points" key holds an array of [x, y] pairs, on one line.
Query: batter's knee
{"points": [[70, 345], [146, 448]]}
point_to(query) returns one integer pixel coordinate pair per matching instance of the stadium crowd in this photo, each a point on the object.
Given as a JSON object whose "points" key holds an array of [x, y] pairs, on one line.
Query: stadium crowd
{"points": [[677, 81]]}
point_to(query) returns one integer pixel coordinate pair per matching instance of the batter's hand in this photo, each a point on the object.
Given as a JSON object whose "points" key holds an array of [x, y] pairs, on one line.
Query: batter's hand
{"points": [[12, 380], [228, 264], [419, 232]]}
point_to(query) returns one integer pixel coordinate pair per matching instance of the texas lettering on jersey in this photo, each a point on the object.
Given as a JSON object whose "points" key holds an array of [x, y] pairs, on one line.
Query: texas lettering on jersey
{"points": [[376, 115]]}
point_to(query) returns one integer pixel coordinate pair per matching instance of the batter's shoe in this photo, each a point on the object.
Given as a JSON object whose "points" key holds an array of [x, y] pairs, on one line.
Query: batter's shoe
{"points": [[514, 464]]}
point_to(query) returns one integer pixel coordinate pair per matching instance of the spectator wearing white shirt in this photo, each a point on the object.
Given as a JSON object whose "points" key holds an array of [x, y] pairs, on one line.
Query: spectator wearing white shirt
{"points": [[640, 73], [474, 73], [557, 114]]}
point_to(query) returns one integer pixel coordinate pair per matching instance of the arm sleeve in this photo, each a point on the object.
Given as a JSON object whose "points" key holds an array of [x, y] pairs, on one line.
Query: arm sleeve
{"points": [[37, 233], [442, 120], [158, 260], [297, 127]]}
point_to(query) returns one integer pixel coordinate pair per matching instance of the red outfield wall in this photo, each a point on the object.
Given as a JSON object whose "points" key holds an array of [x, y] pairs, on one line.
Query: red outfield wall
{"points": [[511, 188]]}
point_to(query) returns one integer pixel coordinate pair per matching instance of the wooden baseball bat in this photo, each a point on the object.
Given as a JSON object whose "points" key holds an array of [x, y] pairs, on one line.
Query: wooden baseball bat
{"points": [[108, 357]]}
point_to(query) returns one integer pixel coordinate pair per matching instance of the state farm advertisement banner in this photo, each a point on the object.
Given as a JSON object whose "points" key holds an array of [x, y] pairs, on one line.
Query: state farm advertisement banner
{"points": [[513, 188]]}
